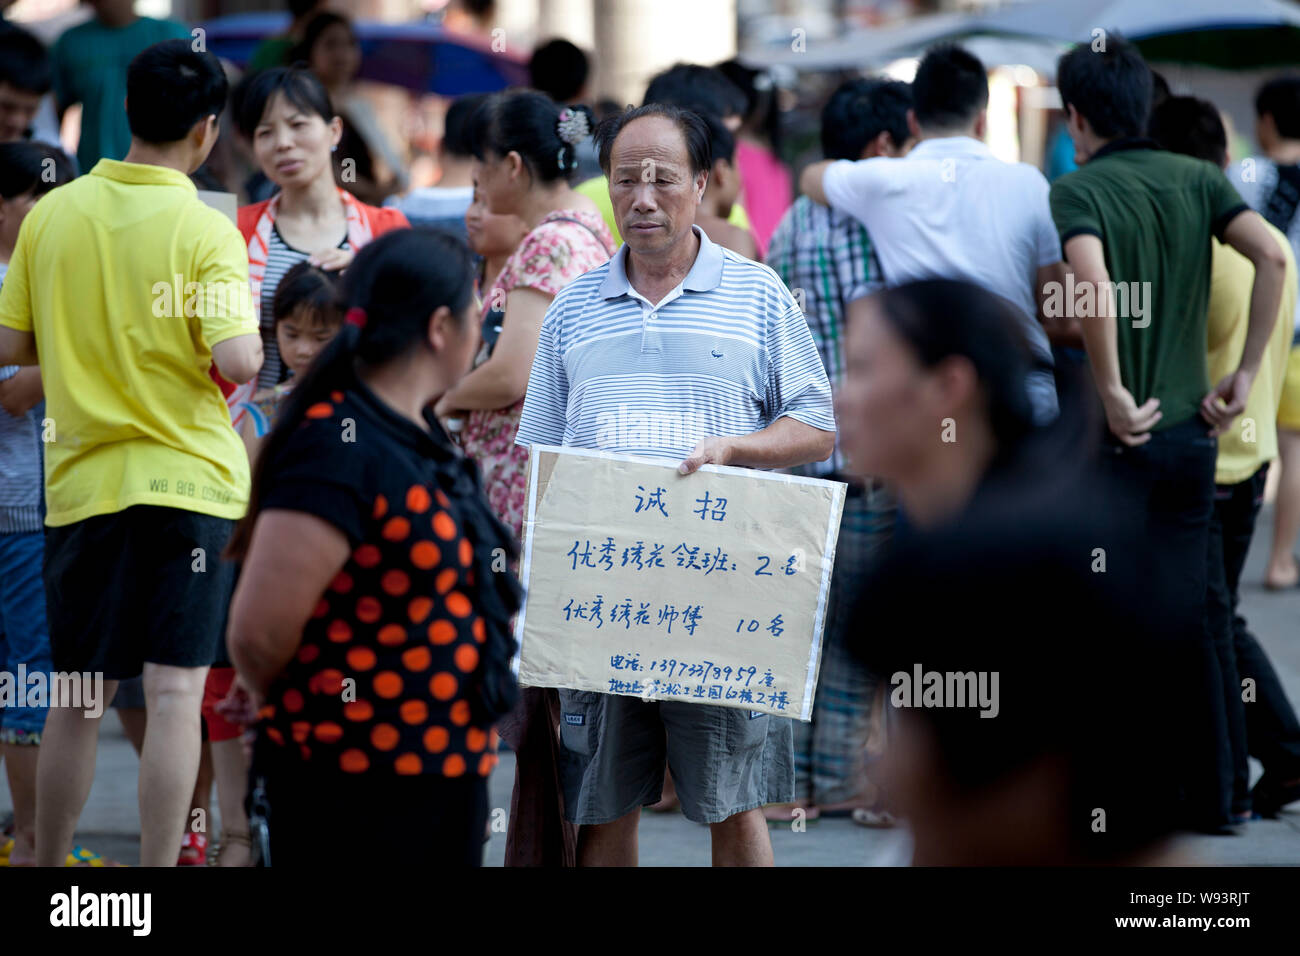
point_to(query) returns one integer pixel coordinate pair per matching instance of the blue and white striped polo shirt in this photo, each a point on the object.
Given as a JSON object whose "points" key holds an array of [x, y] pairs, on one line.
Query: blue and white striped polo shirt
{"points": [[725, 353]]}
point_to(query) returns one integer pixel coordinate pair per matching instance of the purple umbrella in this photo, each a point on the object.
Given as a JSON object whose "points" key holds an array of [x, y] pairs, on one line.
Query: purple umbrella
{"points": [[421, 57]]}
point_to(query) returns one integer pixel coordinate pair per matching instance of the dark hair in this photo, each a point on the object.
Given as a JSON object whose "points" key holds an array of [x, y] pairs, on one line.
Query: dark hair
{"points": [[951, 86], [703, 89], [941, 318], [1159, 89], [694, 131], [526, 122], [762, 109], [301, 7], [27, 166], [721, 143], [24, 63], [1110, 88], [456, 125], [1184, 124], [860, 110], [559, 69], [305, 286], [169, 88], [400, 280], [312, 32], [1280, 99], [298, 85]]}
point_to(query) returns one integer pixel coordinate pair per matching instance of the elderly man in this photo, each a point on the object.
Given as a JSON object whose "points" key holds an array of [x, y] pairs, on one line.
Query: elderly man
{"points": [[676, 322]]}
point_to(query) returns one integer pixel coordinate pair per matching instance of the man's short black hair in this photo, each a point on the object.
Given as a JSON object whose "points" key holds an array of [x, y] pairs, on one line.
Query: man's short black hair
{"points": [[1184, 124], [1280, 99], [559, 69], [300, 8], [170, 87], [860, 110], [699, 88], [1111, 88], [695, 131], [24, 63], [951, 86], [456, 125]]}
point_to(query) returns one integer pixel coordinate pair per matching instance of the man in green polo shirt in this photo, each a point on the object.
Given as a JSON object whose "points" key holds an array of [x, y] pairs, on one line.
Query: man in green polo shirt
{"points": [[1136, 225], [89, 63]]}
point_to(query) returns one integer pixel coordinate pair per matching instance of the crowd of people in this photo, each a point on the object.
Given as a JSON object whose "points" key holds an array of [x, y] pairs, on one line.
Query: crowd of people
{"points": [[270, 521]]}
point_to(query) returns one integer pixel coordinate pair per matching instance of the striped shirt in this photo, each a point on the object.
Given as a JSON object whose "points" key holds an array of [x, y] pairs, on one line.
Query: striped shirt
{"points": [[280, 258], [22, 481], [725, 353], [826, 259]]}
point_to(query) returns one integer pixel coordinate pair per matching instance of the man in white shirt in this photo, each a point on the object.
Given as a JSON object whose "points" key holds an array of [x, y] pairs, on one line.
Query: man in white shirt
{"points": [[951, 209]]}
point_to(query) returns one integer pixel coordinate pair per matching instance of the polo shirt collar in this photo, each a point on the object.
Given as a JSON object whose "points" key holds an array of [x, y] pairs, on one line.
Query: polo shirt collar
{"points": [[1124, 143], [142, 174], [945, 146], [704, 276]]}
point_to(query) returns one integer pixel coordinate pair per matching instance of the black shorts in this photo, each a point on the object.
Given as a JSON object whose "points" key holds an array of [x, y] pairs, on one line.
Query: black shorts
{"points": [[144, 584]]}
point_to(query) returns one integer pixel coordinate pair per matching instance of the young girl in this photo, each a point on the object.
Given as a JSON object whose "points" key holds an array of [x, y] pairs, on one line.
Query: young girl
{"points": [[306, 317]]}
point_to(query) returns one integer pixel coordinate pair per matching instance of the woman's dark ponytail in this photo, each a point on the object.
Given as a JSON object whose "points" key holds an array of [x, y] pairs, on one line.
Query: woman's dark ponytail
{"points": [[397, 282], [545, 134]]}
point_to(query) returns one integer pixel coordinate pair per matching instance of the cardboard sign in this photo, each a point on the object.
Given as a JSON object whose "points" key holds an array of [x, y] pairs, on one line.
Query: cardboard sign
{"points": [[709, 587]]}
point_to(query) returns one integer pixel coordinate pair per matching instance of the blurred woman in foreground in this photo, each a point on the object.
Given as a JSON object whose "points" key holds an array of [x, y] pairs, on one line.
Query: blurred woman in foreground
{"points": [[1006, 623]]}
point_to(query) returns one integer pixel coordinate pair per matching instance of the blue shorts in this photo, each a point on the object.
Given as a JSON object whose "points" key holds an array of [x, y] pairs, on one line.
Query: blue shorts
{"points": [[24, 638]]}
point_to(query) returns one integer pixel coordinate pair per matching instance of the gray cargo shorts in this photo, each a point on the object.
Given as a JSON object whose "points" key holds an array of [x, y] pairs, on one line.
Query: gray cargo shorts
{"points": [[724, 761]]}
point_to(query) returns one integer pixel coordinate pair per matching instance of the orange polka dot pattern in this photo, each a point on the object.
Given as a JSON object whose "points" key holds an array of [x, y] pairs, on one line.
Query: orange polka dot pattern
{"points": [[381, 680]]}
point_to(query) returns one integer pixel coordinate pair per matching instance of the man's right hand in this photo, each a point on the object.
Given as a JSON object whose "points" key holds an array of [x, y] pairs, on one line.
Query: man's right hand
{"points": [[1128, 421]]}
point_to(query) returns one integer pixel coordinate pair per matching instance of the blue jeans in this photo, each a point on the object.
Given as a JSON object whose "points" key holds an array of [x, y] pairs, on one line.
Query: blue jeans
{"points": [[24, 639]]}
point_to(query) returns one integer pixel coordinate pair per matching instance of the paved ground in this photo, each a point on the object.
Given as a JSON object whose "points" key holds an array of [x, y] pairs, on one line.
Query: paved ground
{"points": [[110, 824]]}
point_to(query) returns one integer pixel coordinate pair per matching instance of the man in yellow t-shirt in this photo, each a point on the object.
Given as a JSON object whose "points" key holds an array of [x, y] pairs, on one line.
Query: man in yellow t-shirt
{"points": [[126, 289], [1193, 127]]}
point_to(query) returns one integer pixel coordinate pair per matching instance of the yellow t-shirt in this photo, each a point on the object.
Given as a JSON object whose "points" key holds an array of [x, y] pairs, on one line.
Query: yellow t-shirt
{"points": [[597, 190], [1252, 439], [102, 275]]}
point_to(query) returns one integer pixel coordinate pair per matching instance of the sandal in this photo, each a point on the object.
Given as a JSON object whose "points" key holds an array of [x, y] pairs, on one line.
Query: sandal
{"points": [[234, 838], [80, 856], [873, 818], [197, 845]]}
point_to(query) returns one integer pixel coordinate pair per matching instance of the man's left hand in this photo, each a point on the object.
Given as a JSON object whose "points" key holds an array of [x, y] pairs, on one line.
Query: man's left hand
{"points": [[708, 451], [1226, 400]]}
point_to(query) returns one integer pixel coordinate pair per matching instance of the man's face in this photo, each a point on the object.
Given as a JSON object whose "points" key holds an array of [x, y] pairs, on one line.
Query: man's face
{"points": [[652, 189], [17, 112]]}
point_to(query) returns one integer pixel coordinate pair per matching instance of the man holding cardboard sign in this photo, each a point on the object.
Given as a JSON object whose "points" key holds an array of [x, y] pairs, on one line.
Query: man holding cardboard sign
{"points": [[675, 348]]}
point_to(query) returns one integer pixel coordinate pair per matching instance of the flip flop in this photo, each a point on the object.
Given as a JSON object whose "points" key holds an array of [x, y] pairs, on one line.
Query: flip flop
{"points": [[875, 819], [80, 856], [197, 843]]}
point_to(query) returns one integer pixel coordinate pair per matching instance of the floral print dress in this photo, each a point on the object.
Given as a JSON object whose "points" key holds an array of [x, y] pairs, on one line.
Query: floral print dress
{"points": [[563, 246]]}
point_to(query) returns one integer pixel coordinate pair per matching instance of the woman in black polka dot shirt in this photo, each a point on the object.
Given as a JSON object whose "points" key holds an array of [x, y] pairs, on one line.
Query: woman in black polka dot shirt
{"points": [[369, 625]]}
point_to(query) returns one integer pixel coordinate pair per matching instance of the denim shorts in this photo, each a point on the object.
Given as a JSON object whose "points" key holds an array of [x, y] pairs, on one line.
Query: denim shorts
{"points": [[724, 760], [24, 638]]}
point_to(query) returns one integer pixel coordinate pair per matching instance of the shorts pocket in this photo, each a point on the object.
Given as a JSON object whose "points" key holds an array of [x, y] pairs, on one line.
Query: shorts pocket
{"points": [[579, 714], [746, 730]]}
